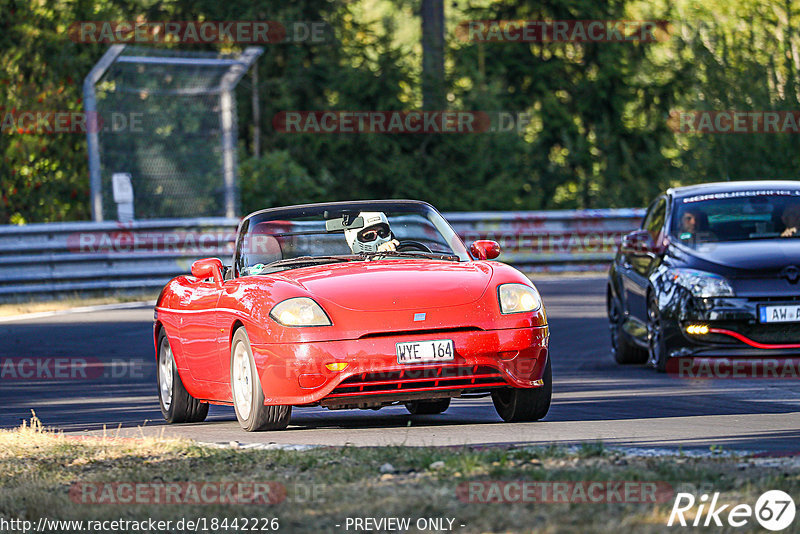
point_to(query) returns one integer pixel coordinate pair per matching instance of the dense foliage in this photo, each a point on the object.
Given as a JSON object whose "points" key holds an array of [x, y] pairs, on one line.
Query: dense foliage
{"points": [[599, 136]]}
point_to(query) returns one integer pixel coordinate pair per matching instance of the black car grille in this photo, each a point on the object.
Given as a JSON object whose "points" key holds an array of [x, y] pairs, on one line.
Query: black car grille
{"points": [[761, 333], [781, 298]]}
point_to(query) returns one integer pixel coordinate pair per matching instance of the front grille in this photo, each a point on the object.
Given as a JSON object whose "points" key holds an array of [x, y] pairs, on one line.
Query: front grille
{"points": [[442, 377], [780, 298], [762, 333]]}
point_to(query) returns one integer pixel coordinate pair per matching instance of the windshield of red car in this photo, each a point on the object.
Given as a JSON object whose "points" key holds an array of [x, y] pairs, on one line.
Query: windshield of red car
{"points": [[277, 235], [736, 216]]}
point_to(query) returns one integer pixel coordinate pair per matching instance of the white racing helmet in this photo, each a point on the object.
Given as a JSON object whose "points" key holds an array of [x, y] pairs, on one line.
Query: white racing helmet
{"points": [[373, 234]]}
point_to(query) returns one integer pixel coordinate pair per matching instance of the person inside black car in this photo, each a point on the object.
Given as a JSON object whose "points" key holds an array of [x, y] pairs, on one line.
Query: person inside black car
{"points": [[694, 227], [791, 219]]}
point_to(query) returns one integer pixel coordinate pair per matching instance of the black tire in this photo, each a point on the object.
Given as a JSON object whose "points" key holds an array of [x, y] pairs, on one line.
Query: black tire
{"points": [[177, 406], [258, 416], [515, 405], [656, 348], [428, 407], [625, 351]]}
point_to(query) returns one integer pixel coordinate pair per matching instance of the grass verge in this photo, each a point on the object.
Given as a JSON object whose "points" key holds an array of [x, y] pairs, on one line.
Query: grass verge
{"points": [[40, 471]]}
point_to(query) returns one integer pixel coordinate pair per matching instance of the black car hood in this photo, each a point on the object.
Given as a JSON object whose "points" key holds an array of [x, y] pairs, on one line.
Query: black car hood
{"points": [[754, 268], [743, 256]]}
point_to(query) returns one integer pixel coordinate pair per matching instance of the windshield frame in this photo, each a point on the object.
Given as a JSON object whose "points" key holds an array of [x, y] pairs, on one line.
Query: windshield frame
{"points": [[335, 208]]}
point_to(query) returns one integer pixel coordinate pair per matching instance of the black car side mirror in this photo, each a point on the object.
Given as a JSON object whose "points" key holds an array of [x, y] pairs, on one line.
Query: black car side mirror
{"points": [[640, 243]]}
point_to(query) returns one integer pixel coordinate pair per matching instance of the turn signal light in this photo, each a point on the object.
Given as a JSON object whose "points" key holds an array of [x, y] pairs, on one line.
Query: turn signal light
{"points": [[697, 329], [338, 366]]}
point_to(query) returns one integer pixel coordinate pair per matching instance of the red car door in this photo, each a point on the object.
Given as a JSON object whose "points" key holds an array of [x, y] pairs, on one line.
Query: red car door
{"points": [[199, 332]]}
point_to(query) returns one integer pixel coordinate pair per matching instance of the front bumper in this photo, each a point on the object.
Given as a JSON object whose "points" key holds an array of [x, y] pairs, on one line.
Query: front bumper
{"points": [[297, 373], [734, 330]]}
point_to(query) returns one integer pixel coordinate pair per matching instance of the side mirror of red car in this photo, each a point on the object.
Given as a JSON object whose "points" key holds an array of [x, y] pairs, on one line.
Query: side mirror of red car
{"points": [[484, 250], [639, 243], [208, 268]]}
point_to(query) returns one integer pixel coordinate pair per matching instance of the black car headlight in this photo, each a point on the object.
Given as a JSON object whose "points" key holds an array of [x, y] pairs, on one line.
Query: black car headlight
{"points": [[700, 283], [518, 298]]}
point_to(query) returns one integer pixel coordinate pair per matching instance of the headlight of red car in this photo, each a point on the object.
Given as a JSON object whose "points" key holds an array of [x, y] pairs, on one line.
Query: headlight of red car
{"points": [[518, 298], [299, 311]]}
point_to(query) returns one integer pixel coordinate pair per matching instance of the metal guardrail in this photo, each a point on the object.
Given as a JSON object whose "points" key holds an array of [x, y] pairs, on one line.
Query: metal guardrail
{"points": [[144, 255]]}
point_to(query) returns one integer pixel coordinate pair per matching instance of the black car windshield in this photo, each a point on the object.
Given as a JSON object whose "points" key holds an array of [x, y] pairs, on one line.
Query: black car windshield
{"points": [[736, 216], [299, 236]]}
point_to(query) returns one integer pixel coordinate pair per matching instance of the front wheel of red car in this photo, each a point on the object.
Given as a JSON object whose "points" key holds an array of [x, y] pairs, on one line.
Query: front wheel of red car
{"points": [[432, 407], [248, 396], [515, 405], [177, 405]]}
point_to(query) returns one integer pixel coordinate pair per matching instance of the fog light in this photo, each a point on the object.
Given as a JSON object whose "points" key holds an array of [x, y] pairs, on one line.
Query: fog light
{"points": [[697, 329], [338, 366]]}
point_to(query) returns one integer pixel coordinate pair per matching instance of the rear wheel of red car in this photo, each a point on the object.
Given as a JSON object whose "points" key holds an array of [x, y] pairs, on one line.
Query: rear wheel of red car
{"points": [[525, 404], [248, 396], [427, 407], [177, 405]]}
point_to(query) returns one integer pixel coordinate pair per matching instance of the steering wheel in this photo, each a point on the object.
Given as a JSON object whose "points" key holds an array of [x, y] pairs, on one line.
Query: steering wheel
{"points": [[413, 245]]}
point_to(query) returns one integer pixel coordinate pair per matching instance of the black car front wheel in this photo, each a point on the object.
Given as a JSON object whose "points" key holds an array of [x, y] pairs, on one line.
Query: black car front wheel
{"points": [[625, 351], [656, 350]]}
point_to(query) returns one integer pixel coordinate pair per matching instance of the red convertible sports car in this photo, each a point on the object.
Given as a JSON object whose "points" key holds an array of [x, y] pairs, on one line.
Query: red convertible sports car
{"points": [[350, 305]]}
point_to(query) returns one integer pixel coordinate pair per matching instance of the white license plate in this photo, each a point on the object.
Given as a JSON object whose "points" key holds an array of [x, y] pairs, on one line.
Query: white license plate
{"points": [[779, 314], [437, 350]]}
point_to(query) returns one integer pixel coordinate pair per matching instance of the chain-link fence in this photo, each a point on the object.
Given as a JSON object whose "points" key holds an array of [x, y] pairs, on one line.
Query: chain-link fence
{"points": [[168, 119]]}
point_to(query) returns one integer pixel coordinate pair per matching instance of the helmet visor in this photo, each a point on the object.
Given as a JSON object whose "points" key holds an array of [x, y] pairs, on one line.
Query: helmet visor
{"points": [[368, 235]]}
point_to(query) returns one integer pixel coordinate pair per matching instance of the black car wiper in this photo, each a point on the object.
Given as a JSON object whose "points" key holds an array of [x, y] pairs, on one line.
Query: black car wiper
{"points": [[412, 254]]}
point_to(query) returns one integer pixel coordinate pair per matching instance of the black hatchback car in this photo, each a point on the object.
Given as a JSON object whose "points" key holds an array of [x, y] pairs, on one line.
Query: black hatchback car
{"points": [[714, 271]]}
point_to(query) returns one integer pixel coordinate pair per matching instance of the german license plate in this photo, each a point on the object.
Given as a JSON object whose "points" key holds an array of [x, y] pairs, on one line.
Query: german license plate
{"points": [[437, 350], [779, 314]]}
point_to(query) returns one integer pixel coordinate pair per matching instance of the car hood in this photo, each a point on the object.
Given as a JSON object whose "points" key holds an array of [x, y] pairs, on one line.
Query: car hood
{"points": [[746, 257], [394, 284]]}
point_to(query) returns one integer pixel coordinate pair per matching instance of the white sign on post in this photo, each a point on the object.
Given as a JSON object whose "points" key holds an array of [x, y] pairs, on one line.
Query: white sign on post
{"points": [[123, 195]]}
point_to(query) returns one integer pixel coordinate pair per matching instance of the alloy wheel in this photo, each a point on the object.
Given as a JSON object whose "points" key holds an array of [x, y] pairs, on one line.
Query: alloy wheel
{"points": [[654, 334], [242, 381], [165, 373]]}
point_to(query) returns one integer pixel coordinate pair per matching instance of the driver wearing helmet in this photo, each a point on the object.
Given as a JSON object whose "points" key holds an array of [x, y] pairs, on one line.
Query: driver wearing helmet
{"points": [[374, 236]]}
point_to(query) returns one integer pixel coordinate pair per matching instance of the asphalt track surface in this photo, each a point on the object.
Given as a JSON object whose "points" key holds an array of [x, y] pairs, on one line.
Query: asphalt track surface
{"points": [[594, 398]]}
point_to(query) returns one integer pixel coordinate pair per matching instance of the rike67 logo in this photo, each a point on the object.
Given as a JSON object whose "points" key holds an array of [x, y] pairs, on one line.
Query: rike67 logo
{"points": [[774, 510]]}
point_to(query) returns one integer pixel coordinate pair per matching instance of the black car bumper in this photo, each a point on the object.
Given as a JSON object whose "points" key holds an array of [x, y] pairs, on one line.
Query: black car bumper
{"points": [[731, 327]]}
